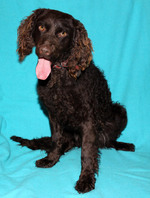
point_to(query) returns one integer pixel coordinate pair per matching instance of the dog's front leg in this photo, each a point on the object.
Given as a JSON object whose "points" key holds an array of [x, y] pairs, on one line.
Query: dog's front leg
{"points": [[54, 153], [89, 160], [61, 143]]}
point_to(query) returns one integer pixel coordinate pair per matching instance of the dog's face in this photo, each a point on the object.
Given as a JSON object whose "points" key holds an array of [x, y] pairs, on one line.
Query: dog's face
{"points": [[57, 37], [53, 36]]}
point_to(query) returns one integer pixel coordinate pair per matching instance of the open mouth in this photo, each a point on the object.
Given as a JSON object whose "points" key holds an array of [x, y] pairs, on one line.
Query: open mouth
{"points": [[43, 69]]}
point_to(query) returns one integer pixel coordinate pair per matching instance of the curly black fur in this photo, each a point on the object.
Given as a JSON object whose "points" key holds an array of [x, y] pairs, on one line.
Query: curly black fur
{"points": [[77, 97]]}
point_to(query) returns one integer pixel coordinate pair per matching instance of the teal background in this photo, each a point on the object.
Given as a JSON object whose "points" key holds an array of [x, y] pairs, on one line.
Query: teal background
{"points": [[120, 33]]}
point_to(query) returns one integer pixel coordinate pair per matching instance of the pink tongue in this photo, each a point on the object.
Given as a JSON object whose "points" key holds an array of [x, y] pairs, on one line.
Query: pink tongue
{"points": [[43, 69]]}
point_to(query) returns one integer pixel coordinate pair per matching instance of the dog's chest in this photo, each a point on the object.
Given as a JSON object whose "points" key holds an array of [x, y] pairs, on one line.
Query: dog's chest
{"points": [[61, 96]]}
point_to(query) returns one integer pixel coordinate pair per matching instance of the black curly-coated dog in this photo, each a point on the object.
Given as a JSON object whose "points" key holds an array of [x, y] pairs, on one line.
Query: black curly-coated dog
{"points": [[74, 92]]}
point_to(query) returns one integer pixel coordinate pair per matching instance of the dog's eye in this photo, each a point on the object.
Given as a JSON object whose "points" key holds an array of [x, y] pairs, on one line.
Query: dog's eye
{"points": [[42, 28], [62, 34]]}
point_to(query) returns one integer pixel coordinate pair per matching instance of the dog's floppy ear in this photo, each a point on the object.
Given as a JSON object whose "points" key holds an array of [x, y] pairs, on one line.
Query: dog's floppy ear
{"points": [[81, 51], [25, 40]]}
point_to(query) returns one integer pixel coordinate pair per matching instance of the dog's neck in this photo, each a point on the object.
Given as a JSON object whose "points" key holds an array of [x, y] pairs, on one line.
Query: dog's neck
{"points": [[61, 65], [64, 65]]}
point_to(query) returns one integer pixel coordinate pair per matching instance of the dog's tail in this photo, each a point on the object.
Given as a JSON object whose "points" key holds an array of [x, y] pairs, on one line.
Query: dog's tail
{"points": [[44, 143]]}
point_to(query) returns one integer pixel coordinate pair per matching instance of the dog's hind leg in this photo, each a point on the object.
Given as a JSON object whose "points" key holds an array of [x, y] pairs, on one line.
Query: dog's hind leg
{"points": [[115, 126], [44, 143], [122, 146]]}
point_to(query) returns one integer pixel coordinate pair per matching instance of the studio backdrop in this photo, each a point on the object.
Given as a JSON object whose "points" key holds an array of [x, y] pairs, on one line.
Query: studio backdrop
{"points": [[120, 34]]}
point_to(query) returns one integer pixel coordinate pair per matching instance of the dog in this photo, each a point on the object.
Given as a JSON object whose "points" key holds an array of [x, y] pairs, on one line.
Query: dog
{"points": [[74, 92]]}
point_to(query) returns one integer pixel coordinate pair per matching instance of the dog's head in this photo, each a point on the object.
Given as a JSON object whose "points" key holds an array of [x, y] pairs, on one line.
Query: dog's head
{"points": [[58, 37]]}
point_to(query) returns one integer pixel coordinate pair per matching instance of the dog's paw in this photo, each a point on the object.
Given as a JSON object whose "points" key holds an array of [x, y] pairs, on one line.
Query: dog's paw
{"points": [[16, 139], [45, 163], [21, 141], [86, 183], [127, 147], [131, 147]]}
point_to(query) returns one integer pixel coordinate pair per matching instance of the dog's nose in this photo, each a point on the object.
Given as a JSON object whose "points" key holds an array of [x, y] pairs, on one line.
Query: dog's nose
{"points": [[44, 51]]}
